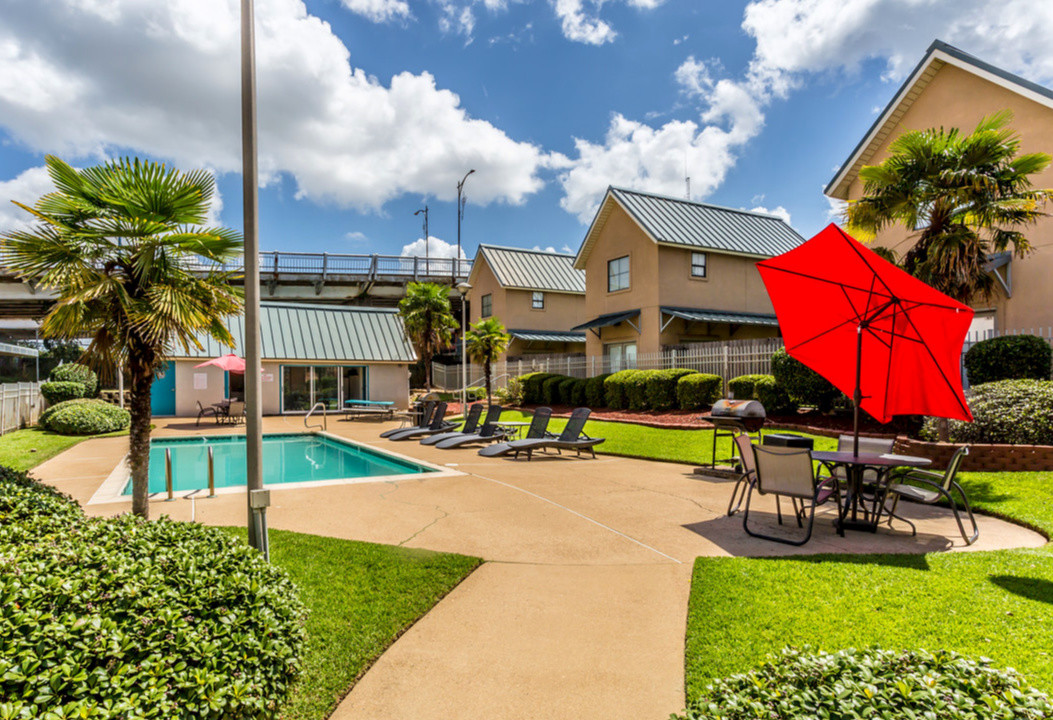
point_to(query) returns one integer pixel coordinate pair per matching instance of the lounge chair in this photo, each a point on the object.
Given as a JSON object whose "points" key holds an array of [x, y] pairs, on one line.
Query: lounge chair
{"points": [[538, 429], [572, 437], [471, 424], [202, 411], [438, 425], [490, 432], [427, 413], [929, 488], [788, 472]]}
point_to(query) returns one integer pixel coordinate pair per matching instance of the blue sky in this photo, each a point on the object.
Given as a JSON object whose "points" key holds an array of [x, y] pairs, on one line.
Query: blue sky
{"points": [[371, 108]]}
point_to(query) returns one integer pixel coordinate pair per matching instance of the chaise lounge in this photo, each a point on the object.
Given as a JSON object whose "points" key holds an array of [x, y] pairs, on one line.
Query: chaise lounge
{"points": [[471, 424], [490, 432], [538, 429], [572, 438], [439, 424]]}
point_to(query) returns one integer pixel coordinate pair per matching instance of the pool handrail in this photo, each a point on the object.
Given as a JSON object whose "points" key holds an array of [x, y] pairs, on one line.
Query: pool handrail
{"points": [[325, 420]]}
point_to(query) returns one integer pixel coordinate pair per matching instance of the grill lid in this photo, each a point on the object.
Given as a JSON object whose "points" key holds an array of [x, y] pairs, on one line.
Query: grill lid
{"points": [[738, 408]]}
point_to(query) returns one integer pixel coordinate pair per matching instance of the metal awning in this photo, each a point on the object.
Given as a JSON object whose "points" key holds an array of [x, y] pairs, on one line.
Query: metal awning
{"points": [[548, 336], [1001, 261], [610, 319], [718, 316]]}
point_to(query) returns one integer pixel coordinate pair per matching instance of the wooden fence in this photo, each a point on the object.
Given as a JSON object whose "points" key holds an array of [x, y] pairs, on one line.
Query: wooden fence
{"points": [[20, 405]]}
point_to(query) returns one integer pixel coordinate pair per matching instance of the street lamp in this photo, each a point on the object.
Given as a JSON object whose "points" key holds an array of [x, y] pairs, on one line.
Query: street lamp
{"points": [[460, 215], [427, 262], [463, 288]]}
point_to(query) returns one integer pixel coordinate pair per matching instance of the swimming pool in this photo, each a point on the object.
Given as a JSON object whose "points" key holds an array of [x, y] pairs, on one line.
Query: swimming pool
{"points": [[287, 458]]}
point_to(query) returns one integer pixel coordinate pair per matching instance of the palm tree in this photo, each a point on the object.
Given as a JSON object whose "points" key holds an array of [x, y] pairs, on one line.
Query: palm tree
{"points": [[963, 196], [428, 319], [486, 340], [123, 247]]}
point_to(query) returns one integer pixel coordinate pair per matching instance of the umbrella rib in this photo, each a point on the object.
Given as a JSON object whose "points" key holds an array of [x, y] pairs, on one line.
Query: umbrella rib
{"points": [[824, 332], [814, 277], [932, 357]]}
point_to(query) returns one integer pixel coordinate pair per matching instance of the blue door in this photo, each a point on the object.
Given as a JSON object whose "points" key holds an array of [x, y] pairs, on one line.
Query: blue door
{"points": [[162, 396]]}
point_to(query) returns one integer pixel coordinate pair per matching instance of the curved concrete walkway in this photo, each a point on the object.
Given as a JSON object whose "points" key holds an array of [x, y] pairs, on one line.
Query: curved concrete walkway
{"points": [[579, 611]]}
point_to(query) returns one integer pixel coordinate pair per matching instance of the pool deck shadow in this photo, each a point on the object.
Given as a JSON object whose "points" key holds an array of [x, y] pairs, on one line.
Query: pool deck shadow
{"points": [[580, 609]]}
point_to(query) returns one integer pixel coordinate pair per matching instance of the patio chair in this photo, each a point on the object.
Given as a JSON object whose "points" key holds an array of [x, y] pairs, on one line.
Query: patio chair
{"points": [[538, 429], [471, 424], [928, 488], [427, 414], [572, 438], [744, 445], [235, 413], [490, 432], [788, 472], [439, 424], [872, 479], [203, 411]]}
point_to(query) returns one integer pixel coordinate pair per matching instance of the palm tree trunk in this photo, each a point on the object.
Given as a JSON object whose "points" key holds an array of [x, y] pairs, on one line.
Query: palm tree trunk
{"points": [[142, 378], [943, 430], [486, 371]]}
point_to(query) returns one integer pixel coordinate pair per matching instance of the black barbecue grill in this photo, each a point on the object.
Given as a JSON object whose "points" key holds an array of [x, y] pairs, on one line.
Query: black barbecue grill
{"points": [[729, 417]]}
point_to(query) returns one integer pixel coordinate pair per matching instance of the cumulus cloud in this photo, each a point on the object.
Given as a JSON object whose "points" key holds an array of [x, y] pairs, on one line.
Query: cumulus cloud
{"points": [[779, 212], [29, 186], [835, 211], [343, 136], [435, 248], [356, 236], [379, 11]]}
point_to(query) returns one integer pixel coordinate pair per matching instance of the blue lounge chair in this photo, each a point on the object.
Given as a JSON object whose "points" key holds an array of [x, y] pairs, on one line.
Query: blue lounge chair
{"points": [[471, 425], [538, 429]]}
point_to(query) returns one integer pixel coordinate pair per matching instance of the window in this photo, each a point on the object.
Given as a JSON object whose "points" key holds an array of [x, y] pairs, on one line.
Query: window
{"points": [[537, 300], [486, 305], [698, 264], [622, 356], [618, 274]]}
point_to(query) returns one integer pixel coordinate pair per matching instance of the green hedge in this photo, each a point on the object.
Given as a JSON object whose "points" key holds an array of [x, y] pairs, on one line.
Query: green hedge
{"points": [[75, 372], [577, 392], [616, 389], [636, 391], [772, 396], [84, 417], [550, 389], [532, 387], [660, 387], [1017, 412], [804, 385], [114, 618], [60, 391], [741, 387], [566, 390], [699, 390], [595, 393], [1013, 357], [856, 684]]}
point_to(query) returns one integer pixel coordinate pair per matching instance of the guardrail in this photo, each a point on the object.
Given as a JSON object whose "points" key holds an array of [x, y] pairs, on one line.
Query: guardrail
{"points": [[370, 267]]}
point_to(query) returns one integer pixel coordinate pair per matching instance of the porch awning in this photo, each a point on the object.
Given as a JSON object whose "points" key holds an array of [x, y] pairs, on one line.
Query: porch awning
{"points": [[608, 319], [548, 336], [720, 316]]}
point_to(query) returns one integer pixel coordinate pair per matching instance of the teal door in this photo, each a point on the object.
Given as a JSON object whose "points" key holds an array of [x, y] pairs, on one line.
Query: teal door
{"points": [[162, 396]]}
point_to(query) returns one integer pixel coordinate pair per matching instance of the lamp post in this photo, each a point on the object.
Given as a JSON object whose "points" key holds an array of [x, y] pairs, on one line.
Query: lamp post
{"points": [[463, 287], [460, 215], [427, 261]]}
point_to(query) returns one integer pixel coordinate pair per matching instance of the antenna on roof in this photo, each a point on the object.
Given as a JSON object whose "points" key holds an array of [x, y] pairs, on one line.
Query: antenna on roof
{"points": [[687, 178]]}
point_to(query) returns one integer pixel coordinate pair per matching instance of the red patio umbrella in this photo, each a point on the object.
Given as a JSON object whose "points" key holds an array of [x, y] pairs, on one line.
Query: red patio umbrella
{"points": [[880, 335], [230, 363]]}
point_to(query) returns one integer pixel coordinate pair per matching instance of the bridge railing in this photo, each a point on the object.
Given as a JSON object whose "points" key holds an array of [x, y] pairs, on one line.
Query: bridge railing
{"points": [[368, 267]]}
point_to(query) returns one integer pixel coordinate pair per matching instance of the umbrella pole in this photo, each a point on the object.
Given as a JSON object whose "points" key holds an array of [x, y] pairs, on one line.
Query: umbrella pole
{"points": [[858, 395]]}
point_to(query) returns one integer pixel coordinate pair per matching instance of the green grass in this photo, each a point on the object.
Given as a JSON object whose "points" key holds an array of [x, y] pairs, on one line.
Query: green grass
{"points": [[994, 604], [360, 597], [25, 449]]}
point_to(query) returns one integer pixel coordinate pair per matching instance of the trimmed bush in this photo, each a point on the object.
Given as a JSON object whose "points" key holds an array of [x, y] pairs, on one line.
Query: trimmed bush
{"points": [[872, 683], [595, 394], [773, 396], [1017, 412], [532, 387], [1012, 357], [616, 390], [636, 391], [84, 417], [741, 387], [566, 390], [804, 385], [660, 387], [115, 618], [577, 392], [58, 392], [75, 372], [550, 389], [694, 392]]}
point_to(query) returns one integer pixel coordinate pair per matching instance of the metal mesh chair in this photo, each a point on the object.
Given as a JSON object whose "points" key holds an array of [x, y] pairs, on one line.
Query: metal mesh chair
{"points": [[928, 488], [744, 446], [789, 472]]}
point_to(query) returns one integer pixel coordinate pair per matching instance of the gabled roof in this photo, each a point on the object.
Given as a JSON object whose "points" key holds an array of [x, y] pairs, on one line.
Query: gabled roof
{"points": [[520, 269], [937, 56], [331, 333], [685, 223]]}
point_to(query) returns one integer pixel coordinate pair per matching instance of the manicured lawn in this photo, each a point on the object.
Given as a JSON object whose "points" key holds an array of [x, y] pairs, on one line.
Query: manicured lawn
{"points": [[360, 597], [994, 604], [24, 449]]}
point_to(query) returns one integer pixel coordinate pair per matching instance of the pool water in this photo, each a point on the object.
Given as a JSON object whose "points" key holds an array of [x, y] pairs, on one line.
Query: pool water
{"points": [[287, 458]]}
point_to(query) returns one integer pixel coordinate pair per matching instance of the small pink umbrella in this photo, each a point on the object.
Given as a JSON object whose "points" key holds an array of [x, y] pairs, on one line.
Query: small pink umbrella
{"points": [[230, 363]]}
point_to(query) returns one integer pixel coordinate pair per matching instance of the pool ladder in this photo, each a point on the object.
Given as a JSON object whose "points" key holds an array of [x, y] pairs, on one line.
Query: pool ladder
{"points": [[168, 474], [325, 420]]}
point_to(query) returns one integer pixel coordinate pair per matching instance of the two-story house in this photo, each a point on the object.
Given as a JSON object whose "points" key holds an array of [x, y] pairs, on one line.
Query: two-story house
{"points": [[664, 272], [539, 296], [950, 88]]}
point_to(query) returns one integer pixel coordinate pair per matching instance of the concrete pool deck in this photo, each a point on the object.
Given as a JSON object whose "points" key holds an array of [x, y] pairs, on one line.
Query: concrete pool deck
{"points": [[580, 609]]}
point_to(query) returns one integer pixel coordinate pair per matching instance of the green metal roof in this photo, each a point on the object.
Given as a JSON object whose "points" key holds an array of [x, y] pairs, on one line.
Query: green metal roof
{"points": [[331, 333], [548, 336], [533, 269], [721, 316]]}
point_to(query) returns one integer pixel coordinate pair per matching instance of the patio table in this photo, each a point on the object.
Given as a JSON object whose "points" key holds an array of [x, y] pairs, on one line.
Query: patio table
{"points": [[512, 428], [855, 467]]}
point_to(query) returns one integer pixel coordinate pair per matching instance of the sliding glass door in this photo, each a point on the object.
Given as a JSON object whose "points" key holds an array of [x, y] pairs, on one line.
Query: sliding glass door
{"points": [[332, 385]]}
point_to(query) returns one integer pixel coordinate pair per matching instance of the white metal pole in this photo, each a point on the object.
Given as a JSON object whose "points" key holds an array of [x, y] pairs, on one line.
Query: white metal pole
{"points": [[464, 357]]}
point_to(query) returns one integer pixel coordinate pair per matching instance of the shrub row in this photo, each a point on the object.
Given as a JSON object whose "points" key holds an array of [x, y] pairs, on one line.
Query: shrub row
{"points": [[764, 389], [113, 618], [624, 390], [84, 417], [804, 385], [1011, 357], [69, 382], [1017, 412]]}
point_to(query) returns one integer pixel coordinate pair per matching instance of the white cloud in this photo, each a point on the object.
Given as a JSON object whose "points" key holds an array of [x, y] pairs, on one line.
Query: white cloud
{"points": [[379, 11], [779, 212], [835, 209], [345, 137], [26, 188], [436, 248], [356, 236]]}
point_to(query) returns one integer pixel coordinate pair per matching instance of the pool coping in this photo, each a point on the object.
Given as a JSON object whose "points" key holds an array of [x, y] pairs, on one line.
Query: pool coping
{"points": [[111, 490]]}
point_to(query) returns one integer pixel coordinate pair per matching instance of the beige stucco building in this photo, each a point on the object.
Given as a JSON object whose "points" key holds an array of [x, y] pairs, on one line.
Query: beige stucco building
{"points": [[537, 295], [665, 272], [949, 88]]}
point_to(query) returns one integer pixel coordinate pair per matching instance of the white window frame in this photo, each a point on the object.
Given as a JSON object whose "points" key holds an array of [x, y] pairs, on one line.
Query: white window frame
{"points": [[705, 264], [537, 300], [619, 273]]}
